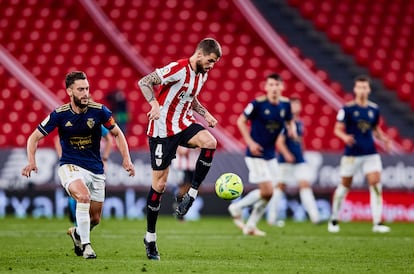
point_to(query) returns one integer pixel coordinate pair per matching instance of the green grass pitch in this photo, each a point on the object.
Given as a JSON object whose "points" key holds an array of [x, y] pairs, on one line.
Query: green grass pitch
{"points": [[211, 245]]}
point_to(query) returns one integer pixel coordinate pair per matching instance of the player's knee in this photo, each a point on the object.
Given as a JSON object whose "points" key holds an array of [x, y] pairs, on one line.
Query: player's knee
{"points": [[160, 186], [83, 198], [281, 186], [304, 184], [211, 143]]}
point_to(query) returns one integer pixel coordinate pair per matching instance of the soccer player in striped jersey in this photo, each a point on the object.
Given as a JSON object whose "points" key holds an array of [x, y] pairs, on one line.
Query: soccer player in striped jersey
{"points": [[268, 115], [81, 169], [171, 123], [357, 124], [293, 169]]}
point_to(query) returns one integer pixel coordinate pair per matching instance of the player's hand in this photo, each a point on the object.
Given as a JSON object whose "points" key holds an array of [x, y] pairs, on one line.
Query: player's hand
{"points": [[349, 140], [255, 149], [128, 166], [212, 122], [388, 145], [154, 113], [28, 169], [289, 157]]}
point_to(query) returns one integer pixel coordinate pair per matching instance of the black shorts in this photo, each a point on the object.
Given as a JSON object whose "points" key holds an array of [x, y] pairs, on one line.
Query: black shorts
{"points": [[163, 150]]}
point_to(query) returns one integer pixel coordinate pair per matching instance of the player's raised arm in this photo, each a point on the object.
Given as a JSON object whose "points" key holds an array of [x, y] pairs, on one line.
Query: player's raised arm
{"points": [[146, 84], [123, 149], [32, 143]]}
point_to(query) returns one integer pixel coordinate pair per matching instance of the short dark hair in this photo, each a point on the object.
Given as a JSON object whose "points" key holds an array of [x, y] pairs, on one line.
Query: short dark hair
{"points": [[362, 78], [274, 76], [71, 77], [210, 45]]}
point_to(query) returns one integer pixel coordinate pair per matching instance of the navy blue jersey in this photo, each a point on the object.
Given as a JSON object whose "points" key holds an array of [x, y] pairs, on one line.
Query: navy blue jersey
{"points": [[267, 121], [80, 134], [360, 121], [294, 145]]}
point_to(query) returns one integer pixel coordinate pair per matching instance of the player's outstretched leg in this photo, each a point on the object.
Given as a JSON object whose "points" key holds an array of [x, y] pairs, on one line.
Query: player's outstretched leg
{"points": [[184, 205], [202, 167]]}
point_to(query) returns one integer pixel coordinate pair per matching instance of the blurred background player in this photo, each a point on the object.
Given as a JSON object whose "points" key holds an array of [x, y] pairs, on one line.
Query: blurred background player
{"points": [[172, 123], [292, 169], [268, 115], [357, 124], [81, 169], [185, 162], [106, 151], [119, 106]]}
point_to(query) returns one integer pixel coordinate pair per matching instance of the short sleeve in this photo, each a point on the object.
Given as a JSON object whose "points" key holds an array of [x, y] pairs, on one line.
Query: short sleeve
{"points": [[249, 110], [340, 116], [48, 124], [171, 73]]}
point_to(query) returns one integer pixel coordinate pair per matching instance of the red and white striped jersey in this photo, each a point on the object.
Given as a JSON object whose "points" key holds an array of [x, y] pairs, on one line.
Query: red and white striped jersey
{"points": [[179, 86]]}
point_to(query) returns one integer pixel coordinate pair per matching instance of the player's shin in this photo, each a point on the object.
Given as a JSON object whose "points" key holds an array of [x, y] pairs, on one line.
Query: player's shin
{"points": [[273, 205], [257, 213], [202, 168], [308, 201], [83, 221], [375, 192], [153, 208], [338, 198]]}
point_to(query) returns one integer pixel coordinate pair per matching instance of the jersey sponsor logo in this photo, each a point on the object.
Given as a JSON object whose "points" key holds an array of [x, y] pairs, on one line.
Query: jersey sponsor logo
{"points": [[90, 122], [364, 126], [68, 124], [81, 142]]}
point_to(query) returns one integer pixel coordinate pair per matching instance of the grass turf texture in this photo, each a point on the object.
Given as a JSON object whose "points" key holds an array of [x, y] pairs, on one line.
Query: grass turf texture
{"points": [[211, 245]]}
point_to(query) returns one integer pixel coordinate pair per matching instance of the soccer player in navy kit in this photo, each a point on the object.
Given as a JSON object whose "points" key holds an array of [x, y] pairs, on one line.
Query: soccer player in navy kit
{"points": [[81, 169], [293, 169], [357, 124], [108, 142], [268, 116]]}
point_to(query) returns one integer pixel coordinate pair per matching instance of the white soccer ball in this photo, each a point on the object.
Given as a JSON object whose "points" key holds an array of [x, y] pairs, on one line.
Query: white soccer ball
{"points": [[229, 186]]}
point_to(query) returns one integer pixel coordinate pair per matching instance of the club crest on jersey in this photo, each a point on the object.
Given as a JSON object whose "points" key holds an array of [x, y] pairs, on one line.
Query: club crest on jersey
{"points": [[158, 162], [370, 114], [90, 122], [165, 70]]}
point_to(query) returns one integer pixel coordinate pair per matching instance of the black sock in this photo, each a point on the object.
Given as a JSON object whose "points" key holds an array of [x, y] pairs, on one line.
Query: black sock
{"points": [[153, 207], [202, 166]]}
